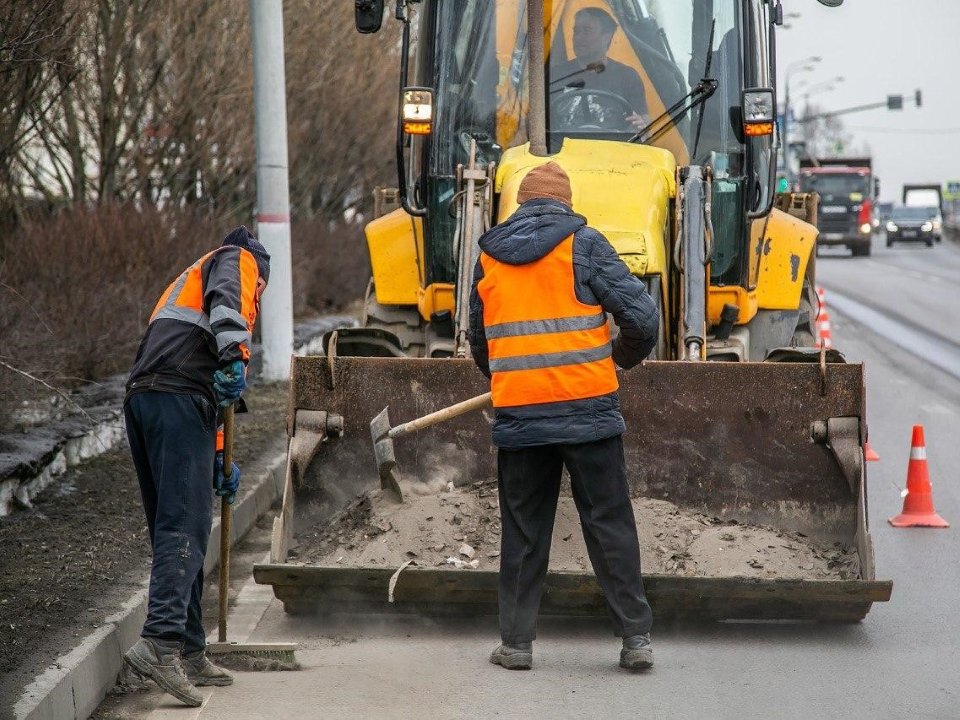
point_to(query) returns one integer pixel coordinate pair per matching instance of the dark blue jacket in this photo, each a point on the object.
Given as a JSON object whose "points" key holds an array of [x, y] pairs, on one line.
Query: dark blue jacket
{"points": [[601, 278]]}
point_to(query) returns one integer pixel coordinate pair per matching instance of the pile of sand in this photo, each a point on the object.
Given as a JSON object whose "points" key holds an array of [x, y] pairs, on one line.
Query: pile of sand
{"points": [[461, 528]]}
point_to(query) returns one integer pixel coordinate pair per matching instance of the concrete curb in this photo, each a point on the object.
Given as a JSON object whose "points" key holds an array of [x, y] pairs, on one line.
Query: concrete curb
{"points": [[64, 443], [79, 680]]}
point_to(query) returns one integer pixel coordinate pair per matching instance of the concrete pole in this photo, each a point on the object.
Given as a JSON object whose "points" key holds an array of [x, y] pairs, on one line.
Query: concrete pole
{"points": [[273, 193]]}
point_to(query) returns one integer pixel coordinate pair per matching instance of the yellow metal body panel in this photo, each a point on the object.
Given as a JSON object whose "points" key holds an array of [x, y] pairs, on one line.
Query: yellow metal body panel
{"points": [[436, 297], [395, 242], [623, 190], [781, 246], [787, 245], [718, 296]]}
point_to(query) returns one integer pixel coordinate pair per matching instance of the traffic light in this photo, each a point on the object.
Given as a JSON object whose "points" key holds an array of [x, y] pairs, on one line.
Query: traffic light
{"points": [[894, 102], [917, 98]]}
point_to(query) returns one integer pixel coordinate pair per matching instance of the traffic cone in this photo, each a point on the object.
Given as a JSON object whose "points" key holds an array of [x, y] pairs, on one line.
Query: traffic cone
{"points": [[824, 331], [918, 510], [868, 453]]}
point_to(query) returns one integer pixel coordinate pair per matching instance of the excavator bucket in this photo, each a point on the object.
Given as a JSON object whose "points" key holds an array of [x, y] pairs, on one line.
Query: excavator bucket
{"points": [[778, 445]]}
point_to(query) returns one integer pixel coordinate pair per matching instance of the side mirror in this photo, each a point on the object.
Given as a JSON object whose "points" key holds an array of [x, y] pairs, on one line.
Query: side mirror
{"points": [[876, 187], [758, 111], [416, 112], [368, 15]]}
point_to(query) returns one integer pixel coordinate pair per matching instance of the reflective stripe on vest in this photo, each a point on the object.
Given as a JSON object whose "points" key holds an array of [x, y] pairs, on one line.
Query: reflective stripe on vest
{"points": [[183, 301], [545, 345]]}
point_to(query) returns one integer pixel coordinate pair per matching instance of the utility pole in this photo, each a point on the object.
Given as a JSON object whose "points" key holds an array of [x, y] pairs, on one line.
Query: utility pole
{"points": [[273, 192]]}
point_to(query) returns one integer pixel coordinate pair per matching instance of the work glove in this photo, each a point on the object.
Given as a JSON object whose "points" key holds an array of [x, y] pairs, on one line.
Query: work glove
{"points": [[226, 487], [229, 382]]}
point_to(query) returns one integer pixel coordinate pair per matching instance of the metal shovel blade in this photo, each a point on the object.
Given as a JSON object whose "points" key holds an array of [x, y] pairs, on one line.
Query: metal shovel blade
{"points": [[383, 452]]}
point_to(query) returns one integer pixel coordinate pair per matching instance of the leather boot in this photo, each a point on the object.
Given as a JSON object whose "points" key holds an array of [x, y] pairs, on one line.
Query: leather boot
{"points": [[160, 661]]}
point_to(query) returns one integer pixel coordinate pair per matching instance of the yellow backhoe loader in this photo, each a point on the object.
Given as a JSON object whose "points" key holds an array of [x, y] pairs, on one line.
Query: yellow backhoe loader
{"points": [[669, 137]]}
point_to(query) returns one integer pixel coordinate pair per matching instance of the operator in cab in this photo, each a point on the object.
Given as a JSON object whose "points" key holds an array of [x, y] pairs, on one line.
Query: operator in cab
{"points": [[591, 69]]}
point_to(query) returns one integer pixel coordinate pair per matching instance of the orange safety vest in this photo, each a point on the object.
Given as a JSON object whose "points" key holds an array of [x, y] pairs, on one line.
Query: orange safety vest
{"points": [[545, 345], [183, 300]]}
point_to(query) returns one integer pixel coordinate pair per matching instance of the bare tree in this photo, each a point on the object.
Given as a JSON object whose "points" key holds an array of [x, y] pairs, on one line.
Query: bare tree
{"points": [[159, 108], [36, 64], [341, 100]]}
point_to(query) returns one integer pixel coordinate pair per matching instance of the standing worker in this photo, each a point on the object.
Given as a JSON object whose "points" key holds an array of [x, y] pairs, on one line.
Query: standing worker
{"points": [[191, 363], [538, 329]]}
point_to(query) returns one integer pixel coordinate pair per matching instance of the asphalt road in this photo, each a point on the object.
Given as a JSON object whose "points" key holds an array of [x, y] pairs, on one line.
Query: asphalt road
{"points": [[902, 661]]}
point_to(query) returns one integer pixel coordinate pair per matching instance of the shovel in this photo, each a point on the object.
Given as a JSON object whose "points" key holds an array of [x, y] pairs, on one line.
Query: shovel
{"points": [[383, 436]]}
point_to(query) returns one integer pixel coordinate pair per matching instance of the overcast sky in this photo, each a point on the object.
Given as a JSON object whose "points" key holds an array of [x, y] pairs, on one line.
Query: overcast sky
{"points": [[885, 47]]}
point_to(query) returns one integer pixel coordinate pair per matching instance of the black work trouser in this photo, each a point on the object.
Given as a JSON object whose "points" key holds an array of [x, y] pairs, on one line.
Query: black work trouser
{"points": [[529, 490], [173, 440]]}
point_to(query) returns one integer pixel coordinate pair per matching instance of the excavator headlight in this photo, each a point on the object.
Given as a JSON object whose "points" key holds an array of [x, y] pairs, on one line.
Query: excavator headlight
{"points": [[417, 111], [758, 112]]}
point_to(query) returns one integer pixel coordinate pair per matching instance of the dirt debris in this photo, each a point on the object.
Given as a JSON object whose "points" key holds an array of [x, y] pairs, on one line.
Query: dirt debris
{"points": [[461, 528]]}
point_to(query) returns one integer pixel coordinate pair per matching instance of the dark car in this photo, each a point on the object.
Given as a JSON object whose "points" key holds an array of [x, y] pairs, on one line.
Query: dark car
{"points": [[912, 224]]}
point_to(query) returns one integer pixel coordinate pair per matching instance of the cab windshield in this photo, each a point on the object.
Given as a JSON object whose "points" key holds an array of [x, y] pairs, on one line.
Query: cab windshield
{"points": [[835, 184], [610, 69], [914, 213]]}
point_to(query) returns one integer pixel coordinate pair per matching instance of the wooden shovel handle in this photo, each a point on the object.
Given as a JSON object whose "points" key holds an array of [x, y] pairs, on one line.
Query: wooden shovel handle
{"points": [[448, 413], [224, 580]]}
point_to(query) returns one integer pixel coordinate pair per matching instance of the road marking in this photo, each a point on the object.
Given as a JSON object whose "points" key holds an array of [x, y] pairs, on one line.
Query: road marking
{"points": [[937, 351]]}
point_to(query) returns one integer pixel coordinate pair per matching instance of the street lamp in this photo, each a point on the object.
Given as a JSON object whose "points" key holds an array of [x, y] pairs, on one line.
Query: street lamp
{"points": [[816, 87], [826, 86], [794, 68], [787, 17]]}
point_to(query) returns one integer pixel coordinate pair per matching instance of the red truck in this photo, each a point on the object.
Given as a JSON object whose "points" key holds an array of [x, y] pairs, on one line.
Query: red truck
{"points": [[847, 191]]}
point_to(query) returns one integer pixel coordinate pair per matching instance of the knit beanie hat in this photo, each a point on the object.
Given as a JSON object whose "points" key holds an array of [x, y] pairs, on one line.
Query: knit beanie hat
{"points": [[546, 181], [241, 237]]}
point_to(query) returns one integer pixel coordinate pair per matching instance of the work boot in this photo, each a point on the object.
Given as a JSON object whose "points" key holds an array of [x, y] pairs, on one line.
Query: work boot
{"points": [[200, 671], [513, 657], [159, 660], [637, 653]]}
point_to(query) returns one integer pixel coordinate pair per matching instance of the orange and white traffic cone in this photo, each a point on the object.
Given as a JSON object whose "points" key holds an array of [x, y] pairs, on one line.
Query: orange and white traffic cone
{"points": [[918, 510], [869, 454], [824, 330]]}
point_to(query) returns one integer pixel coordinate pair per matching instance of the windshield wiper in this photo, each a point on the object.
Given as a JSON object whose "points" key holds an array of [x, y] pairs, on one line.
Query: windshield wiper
{"points": [[697, 96], [706, 74]]}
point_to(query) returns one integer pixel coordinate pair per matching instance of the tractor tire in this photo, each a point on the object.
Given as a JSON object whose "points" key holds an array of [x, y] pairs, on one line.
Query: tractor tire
{"points": [[401, 320]]}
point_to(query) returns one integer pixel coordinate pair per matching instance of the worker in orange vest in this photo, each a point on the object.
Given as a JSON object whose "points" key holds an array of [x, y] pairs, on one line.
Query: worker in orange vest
{"points": [[191, 364], [542, 288]]}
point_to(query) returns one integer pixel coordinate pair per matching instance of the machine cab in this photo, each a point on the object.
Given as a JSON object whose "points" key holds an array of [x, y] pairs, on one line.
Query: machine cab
{"points": [[623, 71]]}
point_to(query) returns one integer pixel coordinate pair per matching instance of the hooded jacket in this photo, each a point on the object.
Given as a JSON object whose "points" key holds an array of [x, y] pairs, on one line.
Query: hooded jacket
{"points": [[601, 278]]}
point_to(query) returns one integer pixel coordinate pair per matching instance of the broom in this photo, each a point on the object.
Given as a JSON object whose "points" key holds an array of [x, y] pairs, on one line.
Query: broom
{"points": [[247, 656]]}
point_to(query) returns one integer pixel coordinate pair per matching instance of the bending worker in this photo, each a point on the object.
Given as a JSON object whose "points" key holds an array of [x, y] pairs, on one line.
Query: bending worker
{"points": [[191, 363], [542, 288]]}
